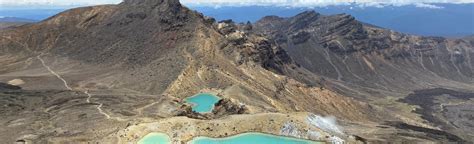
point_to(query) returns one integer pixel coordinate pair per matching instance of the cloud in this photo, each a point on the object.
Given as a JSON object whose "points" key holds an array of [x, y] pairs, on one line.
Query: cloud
{"points": [[423, 5], [56, 2], [218, 3], [322, 3]]}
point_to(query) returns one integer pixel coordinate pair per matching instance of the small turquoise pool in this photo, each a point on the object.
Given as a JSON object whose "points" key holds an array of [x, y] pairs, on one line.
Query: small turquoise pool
{"points": [[155, 138], [251, 138], [203, 102]]}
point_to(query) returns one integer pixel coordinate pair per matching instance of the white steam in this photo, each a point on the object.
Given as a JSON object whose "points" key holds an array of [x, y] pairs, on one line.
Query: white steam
{"points": [[328, 123]]}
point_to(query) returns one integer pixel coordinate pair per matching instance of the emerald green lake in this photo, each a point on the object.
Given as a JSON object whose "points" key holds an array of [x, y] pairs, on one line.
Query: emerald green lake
{"points": [[203, 102], [251, 138], [155, 138]]}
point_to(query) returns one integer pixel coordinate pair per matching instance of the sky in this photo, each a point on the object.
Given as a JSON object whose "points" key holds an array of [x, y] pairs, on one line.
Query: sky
{"points": [[217, 3]]}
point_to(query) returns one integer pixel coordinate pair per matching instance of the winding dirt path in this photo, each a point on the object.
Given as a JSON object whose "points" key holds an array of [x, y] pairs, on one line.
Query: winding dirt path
{"points": [[89, 96], [54, 73], [88, 100]]}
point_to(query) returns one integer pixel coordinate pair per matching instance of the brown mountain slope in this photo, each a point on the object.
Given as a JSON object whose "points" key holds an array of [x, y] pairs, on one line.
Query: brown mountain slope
{"points": [[379, 65], [341, 48], [88, 73]]}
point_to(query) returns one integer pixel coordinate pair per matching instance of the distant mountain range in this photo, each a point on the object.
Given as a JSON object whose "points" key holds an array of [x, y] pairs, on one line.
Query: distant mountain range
{"points": [[31, 14], [6, 22], [451, 20], [16, 20]]}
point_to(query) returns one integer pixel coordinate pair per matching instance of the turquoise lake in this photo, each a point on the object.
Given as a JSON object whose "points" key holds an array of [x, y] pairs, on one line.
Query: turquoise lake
{"points": [[251, 138], [155, 138], [203, 102]]}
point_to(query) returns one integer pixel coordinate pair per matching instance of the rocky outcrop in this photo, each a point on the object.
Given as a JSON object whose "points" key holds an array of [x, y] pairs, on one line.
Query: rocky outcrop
{"points": [[228, 107], [245, 47], [223, 107]]}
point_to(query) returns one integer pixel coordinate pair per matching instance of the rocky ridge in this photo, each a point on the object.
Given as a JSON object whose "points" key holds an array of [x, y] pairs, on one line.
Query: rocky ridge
{"points": [[374, 64]]}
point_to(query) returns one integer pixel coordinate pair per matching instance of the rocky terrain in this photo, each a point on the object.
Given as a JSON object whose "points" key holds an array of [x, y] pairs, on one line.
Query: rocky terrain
{"points": [[377, 65], [370, 57], [113, 73]]}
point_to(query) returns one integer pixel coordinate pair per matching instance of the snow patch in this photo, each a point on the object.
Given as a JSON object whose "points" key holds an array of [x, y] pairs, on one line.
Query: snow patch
{"points": [[16, 82], [457, 52]]}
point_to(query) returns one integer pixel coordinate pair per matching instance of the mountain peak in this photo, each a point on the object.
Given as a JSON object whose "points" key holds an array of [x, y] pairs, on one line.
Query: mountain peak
{"points": [[305, 14], [152, 3]]}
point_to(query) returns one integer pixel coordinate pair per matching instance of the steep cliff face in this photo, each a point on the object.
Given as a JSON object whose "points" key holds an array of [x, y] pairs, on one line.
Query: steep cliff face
{"points": [[348, 51], [379, 65]]}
